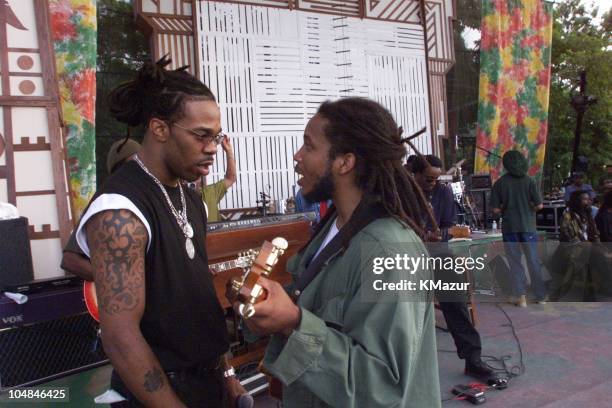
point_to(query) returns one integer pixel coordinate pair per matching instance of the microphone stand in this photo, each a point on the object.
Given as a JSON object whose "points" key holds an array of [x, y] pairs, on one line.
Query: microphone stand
{"points": [[264, 202], [488, 151]]}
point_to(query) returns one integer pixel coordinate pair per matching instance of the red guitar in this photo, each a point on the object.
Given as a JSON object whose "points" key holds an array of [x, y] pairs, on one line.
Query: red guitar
{"points": [[245, 260]]}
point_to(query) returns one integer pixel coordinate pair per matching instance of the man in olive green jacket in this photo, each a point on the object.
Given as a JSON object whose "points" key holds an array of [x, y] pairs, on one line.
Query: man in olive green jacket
{"points": [[343, 343]]}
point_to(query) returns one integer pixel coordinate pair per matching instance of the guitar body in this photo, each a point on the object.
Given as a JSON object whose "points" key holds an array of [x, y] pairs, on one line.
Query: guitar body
{"points": [[91, 301]]}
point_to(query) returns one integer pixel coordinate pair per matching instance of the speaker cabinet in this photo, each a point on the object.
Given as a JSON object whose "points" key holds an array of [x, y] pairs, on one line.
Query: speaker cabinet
{"points": [[15, 253], [36, 353]]}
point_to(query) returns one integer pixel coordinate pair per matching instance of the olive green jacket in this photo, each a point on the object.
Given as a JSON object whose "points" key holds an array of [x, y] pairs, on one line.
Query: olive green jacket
{"points": [[347, 352]]}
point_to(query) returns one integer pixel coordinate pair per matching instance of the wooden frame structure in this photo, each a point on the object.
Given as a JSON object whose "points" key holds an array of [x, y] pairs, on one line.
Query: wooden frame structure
{"points": [[169, 25], [33, 174]]}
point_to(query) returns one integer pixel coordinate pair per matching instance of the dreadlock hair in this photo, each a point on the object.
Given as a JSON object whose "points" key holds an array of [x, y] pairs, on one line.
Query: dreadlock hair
{"points": [[423, 162], [585, 214], [366, 129], [574, 203], [410, 162], [156, 93]]}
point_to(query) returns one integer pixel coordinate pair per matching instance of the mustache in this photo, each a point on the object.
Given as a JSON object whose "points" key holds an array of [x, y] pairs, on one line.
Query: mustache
{"points": [[207, 158]]}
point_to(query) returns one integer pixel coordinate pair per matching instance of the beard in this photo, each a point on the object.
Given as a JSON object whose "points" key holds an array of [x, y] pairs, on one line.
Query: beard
{"points": [[323, 189]]}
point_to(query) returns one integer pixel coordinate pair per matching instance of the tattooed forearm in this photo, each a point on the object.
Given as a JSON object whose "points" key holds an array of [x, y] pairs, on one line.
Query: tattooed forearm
{"points": [[153, 380], [117, 240]]}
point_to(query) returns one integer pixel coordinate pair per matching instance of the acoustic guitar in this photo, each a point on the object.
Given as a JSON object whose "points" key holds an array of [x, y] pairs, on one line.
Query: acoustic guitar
{"points": [[244, 260], [246, 289]]}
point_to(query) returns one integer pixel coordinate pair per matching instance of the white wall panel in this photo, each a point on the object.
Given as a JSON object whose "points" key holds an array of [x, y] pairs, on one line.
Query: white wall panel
{"points": [[167, 7], [271, 68], [39, 209], [48, 258], [34, 58], [29, 122], [34, 172], [3, 191], [35, 88], [24, 11], [149, 6]]}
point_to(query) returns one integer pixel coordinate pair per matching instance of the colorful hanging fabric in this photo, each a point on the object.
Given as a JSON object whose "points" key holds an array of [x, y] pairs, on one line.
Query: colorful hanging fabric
{"points": [[515, 53], [73, 26]]}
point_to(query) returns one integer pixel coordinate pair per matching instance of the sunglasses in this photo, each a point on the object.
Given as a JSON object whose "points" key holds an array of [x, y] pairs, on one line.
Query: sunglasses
{"points": [[218, 138]]}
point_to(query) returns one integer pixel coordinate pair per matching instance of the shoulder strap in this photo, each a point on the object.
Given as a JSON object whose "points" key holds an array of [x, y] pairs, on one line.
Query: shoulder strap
{"points": [[365, 213]]}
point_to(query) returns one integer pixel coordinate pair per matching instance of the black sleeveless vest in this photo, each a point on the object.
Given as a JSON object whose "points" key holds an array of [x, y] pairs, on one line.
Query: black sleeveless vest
{"points": [[183, 321]]}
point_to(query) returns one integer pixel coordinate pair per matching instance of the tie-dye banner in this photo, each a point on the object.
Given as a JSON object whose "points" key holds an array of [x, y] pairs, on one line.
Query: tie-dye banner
{"points": [[73, 26], [514, 82]]}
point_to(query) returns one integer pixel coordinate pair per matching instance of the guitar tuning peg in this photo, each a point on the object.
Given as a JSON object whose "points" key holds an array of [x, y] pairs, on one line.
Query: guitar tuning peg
{"points": [[280, 243]]}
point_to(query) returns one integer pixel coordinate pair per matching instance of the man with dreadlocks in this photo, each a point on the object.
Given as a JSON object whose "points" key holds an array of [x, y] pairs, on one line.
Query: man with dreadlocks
{"points": [[335, 347], [162, 326]]}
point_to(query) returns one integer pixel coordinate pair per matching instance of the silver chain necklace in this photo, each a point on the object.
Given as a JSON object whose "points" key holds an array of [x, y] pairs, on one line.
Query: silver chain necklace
{"points": [[179, 216]]}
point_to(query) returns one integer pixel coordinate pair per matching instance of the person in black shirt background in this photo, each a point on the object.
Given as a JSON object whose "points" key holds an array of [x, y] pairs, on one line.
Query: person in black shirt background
{"points": [[602, 257], [427, 170], [603, 219]]}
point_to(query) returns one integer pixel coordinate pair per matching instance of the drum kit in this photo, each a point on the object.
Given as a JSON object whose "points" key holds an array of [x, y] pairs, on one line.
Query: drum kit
{"points": [[467, 214]]}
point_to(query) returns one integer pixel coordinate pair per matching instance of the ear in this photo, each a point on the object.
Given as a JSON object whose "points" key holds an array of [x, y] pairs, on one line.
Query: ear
{"points": [[159, 129], [345, 163]]}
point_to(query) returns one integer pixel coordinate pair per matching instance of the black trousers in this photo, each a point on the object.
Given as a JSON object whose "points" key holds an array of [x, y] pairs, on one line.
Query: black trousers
{"points": [[455, 311], [467, 339], [195, 388]]}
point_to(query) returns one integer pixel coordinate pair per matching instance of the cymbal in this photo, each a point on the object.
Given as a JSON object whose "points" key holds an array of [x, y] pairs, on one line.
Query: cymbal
{"points": [[455, 167]]}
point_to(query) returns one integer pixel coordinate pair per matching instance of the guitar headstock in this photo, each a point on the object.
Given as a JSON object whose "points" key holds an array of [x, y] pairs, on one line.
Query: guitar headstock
{"points": [[246, 259], [246, 289]]}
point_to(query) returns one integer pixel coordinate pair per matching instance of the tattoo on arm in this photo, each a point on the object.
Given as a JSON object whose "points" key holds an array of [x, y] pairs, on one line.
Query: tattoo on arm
{"points": [[117, 240], [153, 380]]}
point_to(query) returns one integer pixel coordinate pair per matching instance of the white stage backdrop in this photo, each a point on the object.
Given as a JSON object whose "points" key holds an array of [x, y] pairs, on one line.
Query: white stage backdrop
{"points": [[271, 68]]}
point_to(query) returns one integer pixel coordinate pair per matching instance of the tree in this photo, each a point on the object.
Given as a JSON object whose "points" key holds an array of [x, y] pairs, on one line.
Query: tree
{"points": [[579, 44], [462, 86], [121, 51]]}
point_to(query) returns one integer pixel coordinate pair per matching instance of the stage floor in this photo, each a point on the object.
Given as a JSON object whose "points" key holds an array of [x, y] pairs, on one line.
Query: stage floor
{"points": [[566, 353]]}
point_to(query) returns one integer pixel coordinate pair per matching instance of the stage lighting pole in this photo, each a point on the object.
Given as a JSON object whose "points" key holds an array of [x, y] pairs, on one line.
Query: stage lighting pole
{"points": [[580, 102]]}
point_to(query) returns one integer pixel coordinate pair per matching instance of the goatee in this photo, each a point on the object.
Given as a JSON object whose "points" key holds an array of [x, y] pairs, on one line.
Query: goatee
{"points": [[323, 189]]}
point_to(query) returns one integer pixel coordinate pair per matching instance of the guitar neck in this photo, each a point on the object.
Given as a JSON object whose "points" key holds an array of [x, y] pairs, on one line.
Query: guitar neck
{"points": [[222, 266]]}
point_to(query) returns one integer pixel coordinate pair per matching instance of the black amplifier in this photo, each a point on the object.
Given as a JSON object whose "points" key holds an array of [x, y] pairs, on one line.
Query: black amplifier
{"points": [[549, 217], [37, 353], [480, 182], [15, 253], [41, 285]]}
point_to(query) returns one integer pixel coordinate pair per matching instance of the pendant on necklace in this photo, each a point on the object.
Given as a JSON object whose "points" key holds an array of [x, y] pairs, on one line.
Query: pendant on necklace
{"points": [[190, 248], [188, 230]]}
